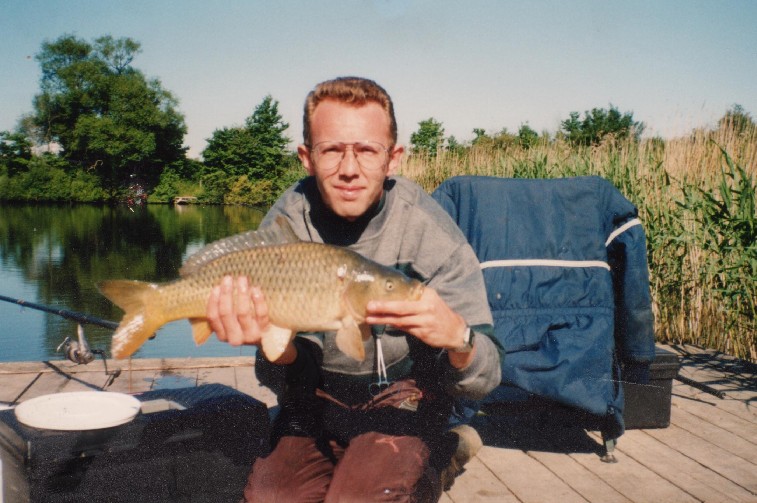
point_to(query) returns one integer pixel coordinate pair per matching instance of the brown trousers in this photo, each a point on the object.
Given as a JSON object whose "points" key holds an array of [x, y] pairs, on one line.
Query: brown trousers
{"points": [[372, 464]]}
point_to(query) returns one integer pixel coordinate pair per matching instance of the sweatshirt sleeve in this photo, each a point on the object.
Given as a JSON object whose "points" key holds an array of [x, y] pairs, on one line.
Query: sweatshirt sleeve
{"points": [[483, 374], [460, 283]]}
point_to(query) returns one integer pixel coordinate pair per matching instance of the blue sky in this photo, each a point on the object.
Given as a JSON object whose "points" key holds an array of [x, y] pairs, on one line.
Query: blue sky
{"points": [[676, 64]]}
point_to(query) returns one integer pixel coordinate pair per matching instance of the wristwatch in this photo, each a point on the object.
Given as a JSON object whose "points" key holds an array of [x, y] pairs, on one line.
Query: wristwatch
{"points": [[467, 346]]}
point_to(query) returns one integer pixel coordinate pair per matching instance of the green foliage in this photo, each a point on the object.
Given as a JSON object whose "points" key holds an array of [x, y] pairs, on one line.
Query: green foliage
{"points": [[105, 115], [250, 192], [726, 230], [256, 150], [429, 137], [599, 124], [454, 146], [15, 152], [527, 137], [49, 178], [215, 184], [499, 141], [167, 189], [86, 187]]}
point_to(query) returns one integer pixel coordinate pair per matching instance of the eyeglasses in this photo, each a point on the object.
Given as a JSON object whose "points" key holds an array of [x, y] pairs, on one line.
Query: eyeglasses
{"points": [[370, 155]]}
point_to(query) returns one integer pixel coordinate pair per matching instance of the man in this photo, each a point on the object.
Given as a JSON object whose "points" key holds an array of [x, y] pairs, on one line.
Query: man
{"points": [[377, 429]]}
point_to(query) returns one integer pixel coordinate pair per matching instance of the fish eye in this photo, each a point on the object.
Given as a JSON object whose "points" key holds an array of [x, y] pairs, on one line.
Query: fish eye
{"points": [[389, 285]]}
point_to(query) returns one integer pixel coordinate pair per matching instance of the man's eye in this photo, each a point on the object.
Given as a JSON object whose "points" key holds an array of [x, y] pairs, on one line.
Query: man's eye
{"points": [[331, 149], [366, 149]]}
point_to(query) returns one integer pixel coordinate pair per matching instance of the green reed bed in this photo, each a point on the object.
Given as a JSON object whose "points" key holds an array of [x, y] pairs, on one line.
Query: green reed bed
{"points": [[696, 198]]}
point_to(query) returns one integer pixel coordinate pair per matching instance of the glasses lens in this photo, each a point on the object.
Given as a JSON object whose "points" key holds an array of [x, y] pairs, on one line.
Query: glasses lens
{"points": [[370, 155]]}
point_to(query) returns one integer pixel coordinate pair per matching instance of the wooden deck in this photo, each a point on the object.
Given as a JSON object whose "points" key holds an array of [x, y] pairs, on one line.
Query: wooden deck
{"points": [[709, 452]]}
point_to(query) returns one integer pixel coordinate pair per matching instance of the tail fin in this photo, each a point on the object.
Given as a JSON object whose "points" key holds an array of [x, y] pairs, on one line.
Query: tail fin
{"points": [[142, 317]]}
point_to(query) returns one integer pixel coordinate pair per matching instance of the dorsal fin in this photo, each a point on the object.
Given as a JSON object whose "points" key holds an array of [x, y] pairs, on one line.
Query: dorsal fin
{"points": [[280, 233]]}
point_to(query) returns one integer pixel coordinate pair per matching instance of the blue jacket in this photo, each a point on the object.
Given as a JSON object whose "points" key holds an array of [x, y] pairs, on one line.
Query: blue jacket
{"points": [[564, 262]]}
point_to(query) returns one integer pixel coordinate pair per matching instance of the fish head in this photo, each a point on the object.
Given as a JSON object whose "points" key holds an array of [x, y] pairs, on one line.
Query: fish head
{"points": [[372, 281]]}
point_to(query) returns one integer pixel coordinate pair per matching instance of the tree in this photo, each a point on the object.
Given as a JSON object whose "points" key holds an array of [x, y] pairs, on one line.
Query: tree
{"points": [[737, 119], [256, 150], [499, 141], [598, 124], [479, 135], [266, 125], [454, 146], [104, 114], [15, 152], [527, 137], [429, 138]]}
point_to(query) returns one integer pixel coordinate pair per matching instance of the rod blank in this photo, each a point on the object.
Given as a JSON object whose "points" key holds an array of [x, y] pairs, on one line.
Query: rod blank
{"points": [[82, 318]]}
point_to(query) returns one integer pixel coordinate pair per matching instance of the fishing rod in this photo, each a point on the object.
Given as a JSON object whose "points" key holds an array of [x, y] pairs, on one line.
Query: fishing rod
{"points": [[81, 318], [78, 351]]}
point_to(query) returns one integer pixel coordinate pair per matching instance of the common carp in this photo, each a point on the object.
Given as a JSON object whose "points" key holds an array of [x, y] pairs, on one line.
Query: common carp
{"points": [[309, 287]]}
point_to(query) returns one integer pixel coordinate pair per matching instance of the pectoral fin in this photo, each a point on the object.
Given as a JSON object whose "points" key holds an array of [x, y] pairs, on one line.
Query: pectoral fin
{"points": [[200, 330], [275, 341], [349, 339]]}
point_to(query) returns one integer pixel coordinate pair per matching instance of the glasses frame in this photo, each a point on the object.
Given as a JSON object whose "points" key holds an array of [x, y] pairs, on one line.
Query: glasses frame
{"points": [[343, 144]]}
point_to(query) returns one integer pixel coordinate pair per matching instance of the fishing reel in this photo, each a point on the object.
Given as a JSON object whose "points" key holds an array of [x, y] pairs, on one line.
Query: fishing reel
{"points": [[80, 353]]}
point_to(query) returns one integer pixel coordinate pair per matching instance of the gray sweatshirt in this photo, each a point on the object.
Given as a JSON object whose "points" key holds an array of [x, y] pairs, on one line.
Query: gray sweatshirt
{"points": [[411, 232]]}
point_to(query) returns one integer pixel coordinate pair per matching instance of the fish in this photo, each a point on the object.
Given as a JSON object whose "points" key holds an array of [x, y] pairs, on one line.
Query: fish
{"points": [[308, 287]]}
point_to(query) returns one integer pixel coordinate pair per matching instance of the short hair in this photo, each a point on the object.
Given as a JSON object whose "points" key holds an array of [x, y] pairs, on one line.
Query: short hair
{"points": [[355, 91]]}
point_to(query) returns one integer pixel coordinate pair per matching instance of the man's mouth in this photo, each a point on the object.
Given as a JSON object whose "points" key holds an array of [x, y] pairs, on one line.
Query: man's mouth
{"points": [[348, 193]]}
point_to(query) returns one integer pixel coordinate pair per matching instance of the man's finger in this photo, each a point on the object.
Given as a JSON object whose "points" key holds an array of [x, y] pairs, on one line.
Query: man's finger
{"points": [[212, 312], [260, 307]]}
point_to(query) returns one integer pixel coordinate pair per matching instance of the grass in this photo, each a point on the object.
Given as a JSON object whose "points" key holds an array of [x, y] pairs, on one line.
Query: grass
{"points": [[696, 198]]}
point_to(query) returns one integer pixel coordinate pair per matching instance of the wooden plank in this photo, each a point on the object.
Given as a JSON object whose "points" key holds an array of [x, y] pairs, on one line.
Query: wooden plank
{"points": [[734, 387], [717, 413], [133, 381], [48, 383], [222, 375], [527, 478], [710, 454], [744, 410], [248, 383], [175, 378], [712, 430], [581, 480], [13, 368], [633, 480], [680, 470], [12, 385], [720, 371], [477, 484]]}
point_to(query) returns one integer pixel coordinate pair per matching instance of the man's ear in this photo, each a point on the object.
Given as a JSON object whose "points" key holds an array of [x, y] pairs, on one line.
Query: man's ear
{"points": [[395, 156], [304, 154]]}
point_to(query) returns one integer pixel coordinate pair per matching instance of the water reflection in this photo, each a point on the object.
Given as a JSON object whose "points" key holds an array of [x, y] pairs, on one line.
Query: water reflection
{"points": [[54, 255]]}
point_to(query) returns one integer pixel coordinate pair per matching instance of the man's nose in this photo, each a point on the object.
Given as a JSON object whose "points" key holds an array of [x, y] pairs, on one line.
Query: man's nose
{"points": [[349, 165]]}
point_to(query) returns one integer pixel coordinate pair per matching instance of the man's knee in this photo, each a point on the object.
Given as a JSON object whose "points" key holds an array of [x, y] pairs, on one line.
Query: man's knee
{"points": [[378, 467], [295, 470]]}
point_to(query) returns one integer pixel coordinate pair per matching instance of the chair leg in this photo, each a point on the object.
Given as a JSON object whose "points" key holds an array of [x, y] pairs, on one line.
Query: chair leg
{"points": [[609, 449]]}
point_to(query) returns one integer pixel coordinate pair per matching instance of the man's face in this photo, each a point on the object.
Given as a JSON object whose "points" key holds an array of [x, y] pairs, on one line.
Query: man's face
{"points": [[348, 188]]}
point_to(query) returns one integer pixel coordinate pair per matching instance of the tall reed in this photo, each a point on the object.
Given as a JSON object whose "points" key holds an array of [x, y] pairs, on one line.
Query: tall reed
{"points": [[696, 198]]}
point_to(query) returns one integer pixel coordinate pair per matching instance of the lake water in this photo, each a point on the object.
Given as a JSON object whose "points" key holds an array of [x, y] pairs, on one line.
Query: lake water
{"points": [[54, 256]]}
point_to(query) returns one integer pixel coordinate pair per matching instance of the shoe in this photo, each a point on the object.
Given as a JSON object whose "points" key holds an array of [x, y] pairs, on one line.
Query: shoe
{"points": [[468, 444]]}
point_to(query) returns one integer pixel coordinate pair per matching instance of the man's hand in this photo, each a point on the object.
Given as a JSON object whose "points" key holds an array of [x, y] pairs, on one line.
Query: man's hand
{"points": [[241, 317], [429, 319]]}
